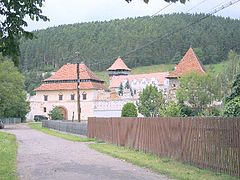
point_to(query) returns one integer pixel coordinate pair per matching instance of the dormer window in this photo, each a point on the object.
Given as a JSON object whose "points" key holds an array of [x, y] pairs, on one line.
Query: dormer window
{"points": [[84, 95]]}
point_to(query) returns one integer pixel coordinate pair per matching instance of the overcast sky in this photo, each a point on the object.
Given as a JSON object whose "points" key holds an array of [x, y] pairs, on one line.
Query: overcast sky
{"points": [[75, 11]]}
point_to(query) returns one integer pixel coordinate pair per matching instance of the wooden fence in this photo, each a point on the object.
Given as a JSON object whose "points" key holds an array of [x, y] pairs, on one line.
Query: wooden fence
{"points": [[212, 143]]}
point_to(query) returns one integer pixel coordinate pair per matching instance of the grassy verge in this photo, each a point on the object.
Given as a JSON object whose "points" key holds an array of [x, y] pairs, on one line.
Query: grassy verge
{"points": [[165, 166], [70, 137], [8, 154]]}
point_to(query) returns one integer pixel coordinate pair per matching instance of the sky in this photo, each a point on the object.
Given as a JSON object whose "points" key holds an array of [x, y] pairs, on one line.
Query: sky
{"points": [[76, 11]]}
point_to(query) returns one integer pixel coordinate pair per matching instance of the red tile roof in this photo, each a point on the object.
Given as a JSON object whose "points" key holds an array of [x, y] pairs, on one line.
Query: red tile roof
{"points": [[69, 72], [117, 80], [69, 86], [118, 65], [189, 63], [60, 79]]}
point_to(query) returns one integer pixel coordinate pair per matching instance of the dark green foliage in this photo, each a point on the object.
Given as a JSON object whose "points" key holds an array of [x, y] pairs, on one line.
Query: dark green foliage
{"points": [[235, 89], [102, 42], [55, 114], [232, 108], [129, 110], [150, 100], [12, 95], [33, 79], [13, 14]]}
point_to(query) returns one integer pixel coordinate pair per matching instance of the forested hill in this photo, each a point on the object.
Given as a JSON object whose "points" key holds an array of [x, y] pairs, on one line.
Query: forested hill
{"points": [[102, 42]]}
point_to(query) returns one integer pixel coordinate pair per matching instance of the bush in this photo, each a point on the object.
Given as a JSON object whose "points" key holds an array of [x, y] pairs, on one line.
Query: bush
{"points": [[129, 110], [55, 114], [171, 110], [232, 108]]}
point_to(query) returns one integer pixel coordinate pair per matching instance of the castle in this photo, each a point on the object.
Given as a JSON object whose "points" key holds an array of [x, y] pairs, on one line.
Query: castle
{"points": [[97, 100]]}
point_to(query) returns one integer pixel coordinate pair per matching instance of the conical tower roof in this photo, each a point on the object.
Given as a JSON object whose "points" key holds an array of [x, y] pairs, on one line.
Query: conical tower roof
{"points": [[118, 65], [189, 63]]}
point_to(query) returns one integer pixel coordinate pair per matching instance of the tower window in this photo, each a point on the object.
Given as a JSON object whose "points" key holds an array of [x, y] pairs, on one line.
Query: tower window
{"points": [[44, 109], [45, 97]]}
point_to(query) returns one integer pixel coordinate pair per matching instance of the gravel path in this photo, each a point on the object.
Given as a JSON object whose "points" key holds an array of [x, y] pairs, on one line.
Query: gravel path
{"points": [[45, 157]]}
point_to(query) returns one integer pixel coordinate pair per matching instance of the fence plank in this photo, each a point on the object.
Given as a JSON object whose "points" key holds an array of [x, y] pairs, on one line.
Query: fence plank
{"points": [[210, 142]]}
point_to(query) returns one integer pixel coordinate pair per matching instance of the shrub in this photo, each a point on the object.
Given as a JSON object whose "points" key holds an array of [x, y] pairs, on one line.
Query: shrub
{"points": [[55, 114], [171, 110], [232, 108], [129, 110]]}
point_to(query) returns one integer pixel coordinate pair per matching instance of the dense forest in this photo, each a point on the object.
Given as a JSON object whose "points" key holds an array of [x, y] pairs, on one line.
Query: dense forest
{"points": [[99, 43]]}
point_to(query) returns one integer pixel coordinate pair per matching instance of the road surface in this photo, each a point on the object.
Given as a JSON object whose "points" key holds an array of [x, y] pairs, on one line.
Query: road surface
{"points": [[45, 157]]}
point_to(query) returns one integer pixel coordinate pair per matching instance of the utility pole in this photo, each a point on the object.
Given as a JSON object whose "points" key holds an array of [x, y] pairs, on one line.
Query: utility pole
{"points": [[78, 94]]}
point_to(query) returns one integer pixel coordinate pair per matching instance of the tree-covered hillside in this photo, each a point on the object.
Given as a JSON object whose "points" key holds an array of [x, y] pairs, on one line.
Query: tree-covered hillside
{"points": [[102, 42]]}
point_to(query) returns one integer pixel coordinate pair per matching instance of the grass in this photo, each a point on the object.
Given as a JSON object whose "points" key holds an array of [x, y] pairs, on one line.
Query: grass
{"points": [[169, 167], [70, 137], [8, 154]]}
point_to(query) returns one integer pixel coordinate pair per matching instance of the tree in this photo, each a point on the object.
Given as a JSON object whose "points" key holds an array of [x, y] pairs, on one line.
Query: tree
{"points": [[120, 91], [129, 110], [232, 108], [55, 114], [13, 14], [172, 109], [232, 102], [150, 100], [12, 95], [235, 92], [228, 74], [198, 91]]}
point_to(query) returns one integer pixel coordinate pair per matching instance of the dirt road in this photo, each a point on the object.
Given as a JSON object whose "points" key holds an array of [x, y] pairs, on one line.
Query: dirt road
{"points": [[45, 157]]}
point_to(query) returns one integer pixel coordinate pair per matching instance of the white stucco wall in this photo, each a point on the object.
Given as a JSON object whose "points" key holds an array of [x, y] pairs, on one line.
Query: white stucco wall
{"points": [[37, 103]]}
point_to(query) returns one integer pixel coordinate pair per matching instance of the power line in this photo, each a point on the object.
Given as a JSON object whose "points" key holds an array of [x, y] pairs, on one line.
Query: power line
{"points": [[162, 9], [215, 9], [196, 6], [183, 28]]}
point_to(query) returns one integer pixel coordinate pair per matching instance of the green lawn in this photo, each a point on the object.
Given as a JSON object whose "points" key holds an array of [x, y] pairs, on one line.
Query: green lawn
{"points": [[8, 154], [171, 168], [70, 137]]}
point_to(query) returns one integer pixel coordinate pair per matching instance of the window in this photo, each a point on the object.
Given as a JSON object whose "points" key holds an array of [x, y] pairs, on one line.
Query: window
{"points": [[135, 91], [60, 97], [72, 96], [45, 97], [174, 85], [44, 109], [84, 96]]}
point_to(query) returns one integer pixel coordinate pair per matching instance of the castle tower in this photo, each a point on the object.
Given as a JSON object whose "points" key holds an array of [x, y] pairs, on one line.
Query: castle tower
{"points": [[118, 68], [189, 63]]}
